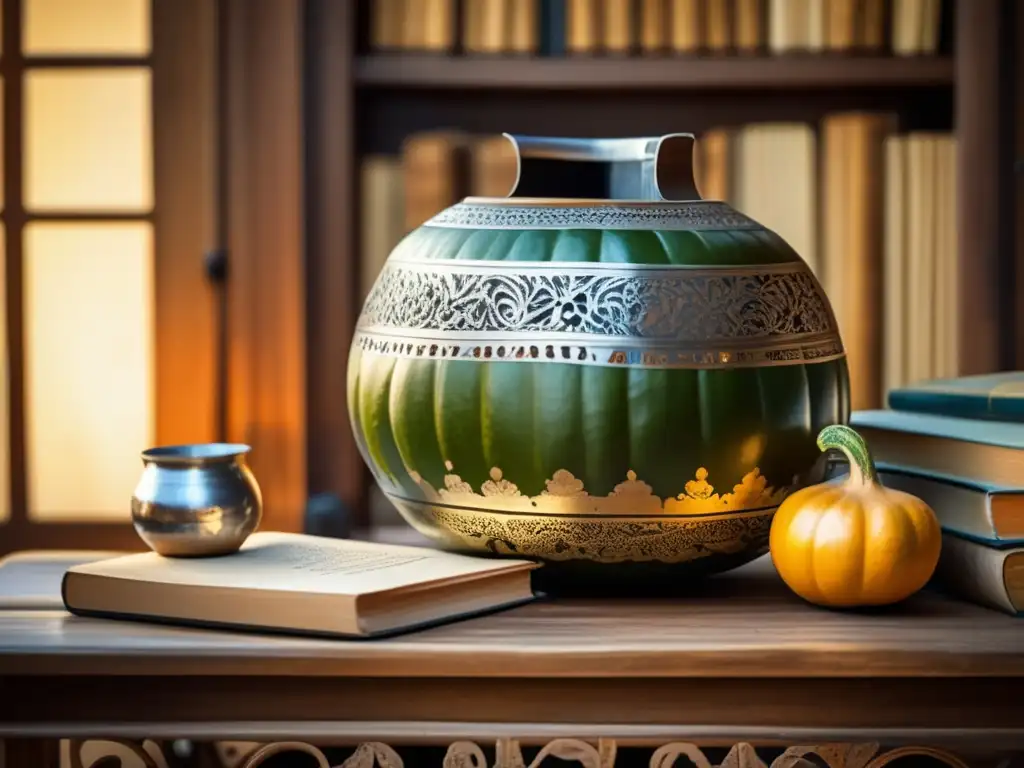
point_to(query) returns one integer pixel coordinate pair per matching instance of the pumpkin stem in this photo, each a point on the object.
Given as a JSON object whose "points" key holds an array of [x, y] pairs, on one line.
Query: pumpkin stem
{"points": [[862, 467]]}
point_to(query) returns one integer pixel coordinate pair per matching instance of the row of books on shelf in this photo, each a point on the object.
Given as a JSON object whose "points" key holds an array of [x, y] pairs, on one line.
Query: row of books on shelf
{"points": [[871, 210], [652, 27], [958, 444]]}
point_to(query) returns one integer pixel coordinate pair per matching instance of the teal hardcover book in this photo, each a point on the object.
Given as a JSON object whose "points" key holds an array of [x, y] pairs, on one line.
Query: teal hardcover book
{"points": [[992, 396], [980, 511], [969, 449]]}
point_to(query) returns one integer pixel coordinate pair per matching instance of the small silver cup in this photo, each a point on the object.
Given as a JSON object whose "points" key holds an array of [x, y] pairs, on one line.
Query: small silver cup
{"points": [[196, 500]]}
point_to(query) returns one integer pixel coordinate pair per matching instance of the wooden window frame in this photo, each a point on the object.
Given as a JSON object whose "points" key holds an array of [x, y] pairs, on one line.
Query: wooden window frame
{"points": [[184, 218]]}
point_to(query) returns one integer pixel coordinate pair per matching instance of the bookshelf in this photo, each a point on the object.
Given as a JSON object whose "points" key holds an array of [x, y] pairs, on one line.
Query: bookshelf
{"points": [[663, 73], [360, 103]]}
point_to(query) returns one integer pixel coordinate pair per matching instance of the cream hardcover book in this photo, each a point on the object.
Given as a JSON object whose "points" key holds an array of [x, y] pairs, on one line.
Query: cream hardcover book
{"points": [[300, 584]]}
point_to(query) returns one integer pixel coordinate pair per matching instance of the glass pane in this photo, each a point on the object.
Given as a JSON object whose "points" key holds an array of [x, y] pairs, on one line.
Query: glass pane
{"points": [[88, 366], [5, 377], [88, 143], [77, 27]]}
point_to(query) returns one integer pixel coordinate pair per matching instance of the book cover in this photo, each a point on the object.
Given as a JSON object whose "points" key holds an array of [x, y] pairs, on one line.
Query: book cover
{"points": [[990, 577], [981, 511], [985, 451], [300, 584], [994, 396], [997, 434]]}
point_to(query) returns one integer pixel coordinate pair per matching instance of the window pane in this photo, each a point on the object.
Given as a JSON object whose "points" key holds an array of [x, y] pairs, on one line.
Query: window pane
{"points": [[88, 143], [108, 27], [88, 366]]}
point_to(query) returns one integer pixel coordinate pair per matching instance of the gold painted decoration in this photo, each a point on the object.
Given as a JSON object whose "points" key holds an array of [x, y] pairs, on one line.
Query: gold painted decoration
{"points": [[659, 538], [564, 494]]}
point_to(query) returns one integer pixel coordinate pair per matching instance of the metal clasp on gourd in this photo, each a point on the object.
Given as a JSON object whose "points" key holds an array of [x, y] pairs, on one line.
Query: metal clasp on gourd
{"points": [[650, 169]]}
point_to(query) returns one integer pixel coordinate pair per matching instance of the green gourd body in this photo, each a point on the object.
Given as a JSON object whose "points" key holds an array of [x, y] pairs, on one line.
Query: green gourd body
{"points": [[422, 419]]}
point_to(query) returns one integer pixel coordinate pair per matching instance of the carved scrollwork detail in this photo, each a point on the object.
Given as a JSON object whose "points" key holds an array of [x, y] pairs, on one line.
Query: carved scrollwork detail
{"points": [[145, 754], [465, 754], [936, 754], [509, 754], [368, 755], [666, 756], [862, 756], [834, 755], [267, 751]]}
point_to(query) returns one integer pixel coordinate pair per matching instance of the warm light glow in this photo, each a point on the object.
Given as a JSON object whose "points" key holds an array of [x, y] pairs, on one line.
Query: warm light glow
{"points": [[88, 140], [86, 27], [89, 366]]}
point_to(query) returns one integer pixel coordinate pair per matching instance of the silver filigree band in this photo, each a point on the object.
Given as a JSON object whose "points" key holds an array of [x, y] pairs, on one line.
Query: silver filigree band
{"points": [[599, 352], [666, 317], [554, 214]]}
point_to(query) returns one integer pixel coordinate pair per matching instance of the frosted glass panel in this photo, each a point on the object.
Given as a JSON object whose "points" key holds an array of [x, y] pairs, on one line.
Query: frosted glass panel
{"points": [[88, 366], [5, 378], [88, 143], [71, 27]]}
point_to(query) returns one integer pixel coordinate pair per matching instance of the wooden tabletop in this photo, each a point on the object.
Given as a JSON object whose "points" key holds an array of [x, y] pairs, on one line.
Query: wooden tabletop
{"points": [[745, 623]]}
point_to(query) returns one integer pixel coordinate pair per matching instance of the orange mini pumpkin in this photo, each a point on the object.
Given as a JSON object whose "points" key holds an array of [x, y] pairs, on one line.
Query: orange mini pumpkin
{"points": [[852, 542]]}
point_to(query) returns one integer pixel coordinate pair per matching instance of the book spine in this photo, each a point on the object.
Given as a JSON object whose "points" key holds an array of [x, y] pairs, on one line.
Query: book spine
{"points": [[717, 25], [974, 572], [617, 19], [686, 25], [552, 27], [525, 27], [653, 26], [387, 25], [583, 29], [961, 405], [750, 37], [494, 26]]}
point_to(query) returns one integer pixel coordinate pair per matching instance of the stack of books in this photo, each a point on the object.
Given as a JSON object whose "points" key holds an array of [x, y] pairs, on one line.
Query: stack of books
{"points": [[958, 444]]}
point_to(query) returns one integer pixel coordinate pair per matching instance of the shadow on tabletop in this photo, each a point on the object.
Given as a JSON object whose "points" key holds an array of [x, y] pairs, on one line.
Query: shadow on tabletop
{"points": [[747, 580]]}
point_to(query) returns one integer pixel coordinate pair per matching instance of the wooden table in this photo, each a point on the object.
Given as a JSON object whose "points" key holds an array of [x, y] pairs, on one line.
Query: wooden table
{"points": [[741, 662]]}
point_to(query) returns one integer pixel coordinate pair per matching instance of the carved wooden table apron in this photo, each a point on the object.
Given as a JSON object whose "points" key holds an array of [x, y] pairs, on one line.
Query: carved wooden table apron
{"points": [[740, 673]]}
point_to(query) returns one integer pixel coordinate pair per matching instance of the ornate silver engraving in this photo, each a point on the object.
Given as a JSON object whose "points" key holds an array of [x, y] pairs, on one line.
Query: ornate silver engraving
{"points": [[599, 352], [497, 214], [698, 308]]}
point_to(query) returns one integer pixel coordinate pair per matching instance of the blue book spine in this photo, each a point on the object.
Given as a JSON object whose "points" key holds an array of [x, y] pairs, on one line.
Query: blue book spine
{"points": [[997, 397], [552, 27], [965, 406]]}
